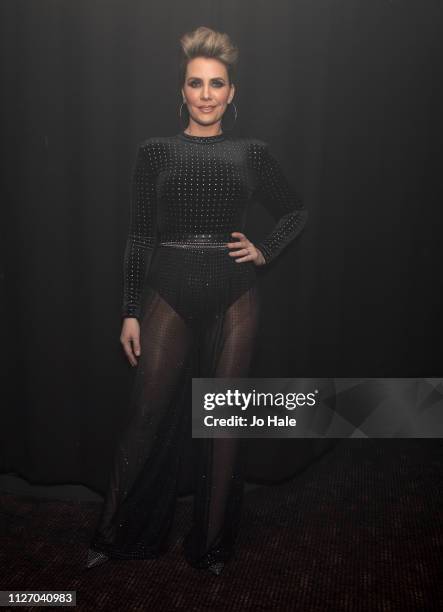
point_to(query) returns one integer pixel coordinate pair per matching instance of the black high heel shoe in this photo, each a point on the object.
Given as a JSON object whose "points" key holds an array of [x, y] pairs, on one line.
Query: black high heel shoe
{"points": [[216, 568], [95, 558]]}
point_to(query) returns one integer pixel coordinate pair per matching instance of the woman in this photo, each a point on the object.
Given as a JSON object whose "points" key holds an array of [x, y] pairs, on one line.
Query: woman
{"points": [[190, 308]]}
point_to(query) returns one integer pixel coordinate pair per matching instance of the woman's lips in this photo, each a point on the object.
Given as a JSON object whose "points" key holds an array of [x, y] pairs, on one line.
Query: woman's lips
{"points": [[206, 109]]}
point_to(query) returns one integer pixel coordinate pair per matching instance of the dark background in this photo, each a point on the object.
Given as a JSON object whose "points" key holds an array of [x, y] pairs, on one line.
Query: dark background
{"points": [[348, 94]]}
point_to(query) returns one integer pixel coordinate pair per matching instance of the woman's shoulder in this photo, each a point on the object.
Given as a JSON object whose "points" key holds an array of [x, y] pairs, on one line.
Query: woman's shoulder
{"points": [[153, 140], [247, 140], [255, 148]]}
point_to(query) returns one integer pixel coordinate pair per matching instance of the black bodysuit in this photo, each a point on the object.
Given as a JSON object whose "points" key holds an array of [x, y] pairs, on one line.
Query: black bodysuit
{"points": [[198, 312]]}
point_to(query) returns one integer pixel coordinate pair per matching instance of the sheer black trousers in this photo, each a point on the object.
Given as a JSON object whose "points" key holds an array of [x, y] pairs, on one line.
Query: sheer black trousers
{"points": [[139, 505]]}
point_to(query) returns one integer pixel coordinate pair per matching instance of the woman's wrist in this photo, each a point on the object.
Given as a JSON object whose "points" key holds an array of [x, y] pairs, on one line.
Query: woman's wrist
{"points": [[260, 261]]}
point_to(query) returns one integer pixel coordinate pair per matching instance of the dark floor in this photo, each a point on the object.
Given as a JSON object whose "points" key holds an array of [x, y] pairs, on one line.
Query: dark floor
{"points": [[360, 529]]}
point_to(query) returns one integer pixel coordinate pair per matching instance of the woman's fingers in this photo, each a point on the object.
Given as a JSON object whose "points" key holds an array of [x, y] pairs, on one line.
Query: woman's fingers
{"points": [[244, 249], [248, 257], [127, 347], [238, 244], [241, 243], [130, 339], [136, 345], [238, 254], [239, 235]]}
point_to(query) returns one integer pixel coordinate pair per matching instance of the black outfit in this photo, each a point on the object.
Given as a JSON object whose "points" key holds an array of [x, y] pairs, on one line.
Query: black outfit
{"points": [[198, 311]]}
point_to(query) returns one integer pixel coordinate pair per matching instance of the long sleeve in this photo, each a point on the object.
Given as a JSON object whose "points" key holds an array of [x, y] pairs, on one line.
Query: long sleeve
{"points": [[140, 241], [278, 197]]}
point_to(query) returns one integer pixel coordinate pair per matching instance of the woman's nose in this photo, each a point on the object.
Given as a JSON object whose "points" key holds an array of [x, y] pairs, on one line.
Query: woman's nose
{"points": [[205, 92]]}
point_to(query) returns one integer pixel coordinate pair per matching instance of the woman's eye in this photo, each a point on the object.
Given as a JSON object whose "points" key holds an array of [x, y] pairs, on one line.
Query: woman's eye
{"points": [[214, 83]]}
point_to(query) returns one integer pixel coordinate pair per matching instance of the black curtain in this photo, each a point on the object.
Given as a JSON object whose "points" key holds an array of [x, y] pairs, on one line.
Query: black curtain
{"points": [[347, 94]]}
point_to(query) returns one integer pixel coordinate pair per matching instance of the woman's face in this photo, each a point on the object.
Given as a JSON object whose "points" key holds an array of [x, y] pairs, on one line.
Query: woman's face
{"points": [[207, 85]]}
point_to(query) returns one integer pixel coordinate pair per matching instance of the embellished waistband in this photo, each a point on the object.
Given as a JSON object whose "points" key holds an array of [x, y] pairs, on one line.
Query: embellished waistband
{"points": [[217, 240]]}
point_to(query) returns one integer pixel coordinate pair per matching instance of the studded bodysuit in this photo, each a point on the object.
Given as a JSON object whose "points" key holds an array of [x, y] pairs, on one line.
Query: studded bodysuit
{"points": [[198, 312]]}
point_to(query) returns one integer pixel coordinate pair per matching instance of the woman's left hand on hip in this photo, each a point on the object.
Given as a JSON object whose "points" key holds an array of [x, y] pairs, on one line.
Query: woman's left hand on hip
{"points": [[245, 250]]}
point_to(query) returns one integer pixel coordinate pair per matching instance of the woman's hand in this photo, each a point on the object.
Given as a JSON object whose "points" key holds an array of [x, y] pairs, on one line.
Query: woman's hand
{"points": [[247, 252], [130, 339]]}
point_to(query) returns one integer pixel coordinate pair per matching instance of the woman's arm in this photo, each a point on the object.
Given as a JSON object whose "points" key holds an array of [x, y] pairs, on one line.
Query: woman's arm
{"points": [[278, 197], [141, 234]]}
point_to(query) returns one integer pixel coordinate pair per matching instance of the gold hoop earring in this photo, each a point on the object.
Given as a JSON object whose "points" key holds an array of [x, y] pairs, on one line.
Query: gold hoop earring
{"points": [[180, 115], [235, 118]]}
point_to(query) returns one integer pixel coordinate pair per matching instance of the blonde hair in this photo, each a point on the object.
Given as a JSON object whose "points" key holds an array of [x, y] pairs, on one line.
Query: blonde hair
{"points": [[205, 42]]}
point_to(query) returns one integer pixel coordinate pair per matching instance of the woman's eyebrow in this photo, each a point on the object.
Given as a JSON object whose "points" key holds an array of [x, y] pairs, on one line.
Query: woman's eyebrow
{"points": [[212, 79]]}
